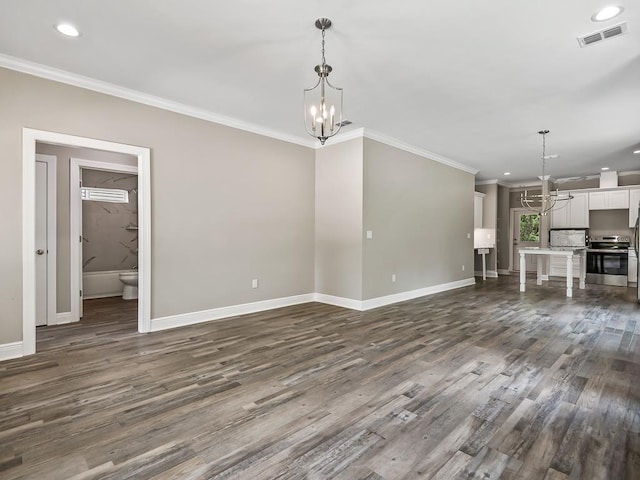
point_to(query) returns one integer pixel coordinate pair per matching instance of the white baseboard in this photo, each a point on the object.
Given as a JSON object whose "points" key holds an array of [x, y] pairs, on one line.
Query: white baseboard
{"points": [[11, 350], [338, 301], [490, 273], [61, 319], [544, 278], [421, 292], [183, 319], [504, 272]]}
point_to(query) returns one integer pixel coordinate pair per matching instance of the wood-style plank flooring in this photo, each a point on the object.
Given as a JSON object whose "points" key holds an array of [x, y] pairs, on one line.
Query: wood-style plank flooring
{"points": [[478, 383]]}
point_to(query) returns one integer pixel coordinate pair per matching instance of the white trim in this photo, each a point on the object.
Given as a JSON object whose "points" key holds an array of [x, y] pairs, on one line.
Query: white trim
{"points": [[392, 142], [29, 139], [88, 83], [52, 225], [494, 181], [221, 313], [338, 301], [504, 272], [62, 318], [10, 350], [183, 319], [342, 137], [421, 292], [489, 274]]}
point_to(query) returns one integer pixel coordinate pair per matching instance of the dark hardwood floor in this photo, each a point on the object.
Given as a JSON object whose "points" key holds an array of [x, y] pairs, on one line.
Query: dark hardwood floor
{"points": [[478, 383]]}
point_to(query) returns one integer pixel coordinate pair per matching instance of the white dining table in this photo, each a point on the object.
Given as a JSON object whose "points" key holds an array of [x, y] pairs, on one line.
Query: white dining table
{"points": [[544, 253]]}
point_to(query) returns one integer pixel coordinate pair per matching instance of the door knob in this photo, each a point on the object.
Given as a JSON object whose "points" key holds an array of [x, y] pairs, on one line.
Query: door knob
{"points": [[39, 251]]}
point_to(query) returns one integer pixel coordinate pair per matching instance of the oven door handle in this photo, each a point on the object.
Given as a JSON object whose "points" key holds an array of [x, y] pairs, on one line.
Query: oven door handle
{"points": [[605, 250]]}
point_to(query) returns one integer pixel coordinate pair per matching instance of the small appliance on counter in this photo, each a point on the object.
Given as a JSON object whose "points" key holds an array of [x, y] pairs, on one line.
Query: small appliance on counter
{"points": [[568, 238], [608, 260]]}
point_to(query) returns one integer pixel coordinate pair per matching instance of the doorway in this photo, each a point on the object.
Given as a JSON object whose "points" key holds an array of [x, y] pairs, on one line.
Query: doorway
{"points": [[76, 167], [525, 229], [29, 139]]}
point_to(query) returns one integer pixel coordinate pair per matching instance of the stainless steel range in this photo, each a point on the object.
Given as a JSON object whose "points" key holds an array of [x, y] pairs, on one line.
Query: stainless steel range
{"points": [[608, 260]]}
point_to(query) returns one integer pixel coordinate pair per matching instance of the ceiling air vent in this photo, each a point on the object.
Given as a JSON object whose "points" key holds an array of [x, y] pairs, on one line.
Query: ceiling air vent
{"points": [[603, 34]]}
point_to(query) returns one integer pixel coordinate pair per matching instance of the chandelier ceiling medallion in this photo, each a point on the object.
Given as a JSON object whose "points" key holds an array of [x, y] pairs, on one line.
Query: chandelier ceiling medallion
{"points": [[542, 203], [323, 102]]}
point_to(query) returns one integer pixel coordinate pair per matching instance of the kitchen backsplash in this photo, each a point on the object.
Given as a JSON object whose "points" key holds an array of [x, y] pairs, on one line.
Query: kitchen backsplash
{"points": [[109, 240]]}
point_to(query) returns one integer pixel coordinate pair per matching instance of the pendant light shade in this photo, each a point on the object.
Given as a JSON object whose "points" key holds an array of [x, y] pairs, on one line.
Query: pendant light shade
{"points": [[323, 102]]}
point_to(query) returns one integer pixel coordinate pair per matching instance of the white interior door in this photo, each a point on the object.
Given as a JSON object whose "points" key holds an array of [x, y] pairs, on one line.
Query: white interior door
{"points": [[41, 244], [526, 233]]}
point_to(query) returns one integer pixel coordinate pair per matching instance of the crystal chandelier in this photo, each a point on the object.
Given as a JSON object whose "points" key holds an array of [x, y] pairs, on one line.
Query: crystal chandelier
{"points": [[542, 203], [323, 102]]}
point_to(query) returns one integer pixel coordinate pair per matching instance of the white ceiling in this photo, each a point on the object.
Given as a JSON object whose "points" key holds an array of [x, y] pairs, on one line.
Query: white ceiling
{"points": [[471, 80]]}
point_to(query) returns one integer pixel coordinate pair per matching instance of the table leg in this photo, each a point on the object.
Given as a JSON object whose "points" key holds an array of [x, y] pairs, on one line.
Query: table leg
{"points": [[570, 275], [539, 261], [523, 272], [583, 268], [484, 266]]}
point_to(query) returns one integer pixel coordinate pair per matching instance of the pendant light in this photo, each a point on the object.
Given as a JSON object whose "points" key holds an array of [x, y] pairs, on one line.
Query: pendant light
{"points": [[545, 201], [323, 102]]}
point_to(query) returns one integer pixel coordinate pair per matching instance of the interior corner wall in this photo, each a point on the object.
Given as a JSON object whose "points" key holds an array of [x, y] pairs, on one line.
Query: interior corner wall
{"points": [[338, 220], [489, 220], [420, 212], [228, 206]]}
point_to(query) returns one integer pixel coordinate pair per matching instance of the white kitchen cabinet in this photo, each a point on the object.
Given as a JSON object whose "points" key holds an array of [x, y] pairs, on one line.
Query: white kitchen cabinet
{"points": [[478, 205], [609, 200], [634, 201], [632, 275], [573, 214], [558, 266]]}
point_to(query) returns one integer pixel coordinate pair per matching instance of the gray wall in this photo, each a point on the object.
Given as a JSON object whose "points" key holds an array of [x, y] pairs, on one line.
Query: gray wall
{"points": [[420, 212], [63, 155], [107, 243], [250, 199], [338, 220]]}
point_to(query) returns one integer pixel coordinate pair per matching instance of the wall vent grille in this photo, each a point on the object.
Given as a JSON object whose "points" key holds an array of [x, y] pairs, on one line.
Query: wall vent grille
{"points": [[603, 34]]}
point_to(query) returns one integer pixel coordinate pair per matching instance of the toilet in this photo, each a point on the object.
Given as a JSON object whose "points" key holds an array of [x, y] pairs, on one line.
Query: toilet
{"points": [[130, 281]]}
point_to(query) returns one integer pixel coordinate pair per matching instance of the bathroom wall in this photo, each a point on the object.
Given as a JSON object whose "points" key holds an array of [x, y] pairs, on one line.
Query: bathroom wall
{"points": [[109, 240]]}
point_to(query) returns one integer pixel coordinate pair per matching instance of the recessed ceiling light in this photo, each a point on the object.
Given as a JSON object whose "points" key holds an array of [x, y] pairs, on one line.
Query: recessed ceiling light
{"points": [[606, 13], [636, 152], [604, 169], [507, 173], [67, 29]]}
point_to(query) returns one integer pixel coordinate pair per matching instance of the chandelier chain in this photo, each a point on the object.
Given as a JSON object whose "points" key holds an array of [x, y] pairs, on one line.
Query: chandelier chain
{"points": [[323, 60]]}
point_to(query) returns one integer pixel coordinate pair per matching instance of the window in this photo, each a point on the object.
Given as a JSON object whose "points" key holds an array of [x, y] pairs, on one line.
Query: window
{"points": [[112, 195], [530, 227]]}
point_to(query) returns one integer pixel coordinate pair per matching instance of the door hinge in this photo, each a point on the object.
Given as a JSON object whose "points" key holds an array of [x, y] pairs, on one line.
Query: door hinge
{"points": [[80, 240], [80, 292]]}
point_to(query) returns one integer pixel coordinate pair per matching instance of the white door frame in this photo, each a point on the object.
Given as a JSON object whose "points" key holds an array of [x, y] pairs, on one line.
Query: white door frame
{"points": [[75, 221], [52, 200], [29, 139]]}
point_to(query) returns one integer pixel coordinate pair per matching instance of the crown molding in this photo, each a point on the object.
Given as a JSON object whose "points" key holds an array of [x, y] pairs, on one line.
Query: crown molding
{"points": [[62, 76], [494, 181], [392, 142], [341, 137]]}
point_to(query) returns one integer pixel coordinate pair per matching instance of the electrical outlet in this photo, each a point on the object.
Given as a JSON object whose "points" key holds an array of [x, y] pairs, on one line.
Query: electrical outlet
{"points": [[468, 235], [463, 268], [393, 277], [254, 283], [369, 234]]}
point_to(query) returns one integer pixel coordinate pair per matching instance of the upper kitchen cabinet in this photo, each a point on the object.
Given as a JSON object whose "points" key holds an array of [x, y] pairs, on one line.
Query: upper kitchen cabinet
{"points": [[609, 200], [478, 205], [575, 214], [634, 201]]}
